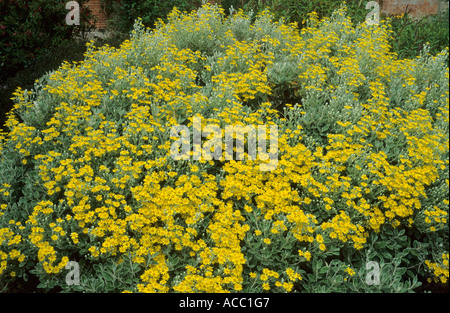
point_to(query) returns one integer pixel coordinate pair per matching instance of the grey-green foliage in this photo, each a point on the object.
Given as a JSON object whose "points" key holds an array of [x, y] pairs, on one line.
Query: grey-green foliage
{"points": [[398, 262], [110, 277]]}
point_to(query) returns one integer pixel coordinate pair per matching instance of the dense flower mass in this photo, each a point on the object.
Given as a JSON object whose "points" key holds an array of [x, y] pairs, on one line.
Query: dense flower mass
{"points": [[362, 172]]}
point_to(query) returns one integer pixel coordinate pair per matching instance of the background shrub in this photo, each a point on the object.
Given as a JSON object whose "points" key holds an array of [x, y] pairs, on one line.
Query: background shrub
{"points": [[122, 14], [31, 28], [409, 35], [33, 38], [298, 10]]}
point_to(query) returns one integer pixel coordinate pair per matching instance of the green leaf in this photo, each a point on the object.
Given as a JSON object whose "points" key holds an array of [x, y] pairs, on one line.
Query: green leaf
{"points": [[125, 271], [381, 244], [318, 263], [401, 271], [387, 255], [311, 278], [411, 274], [108, 276], [99, 285], [97, 268]]}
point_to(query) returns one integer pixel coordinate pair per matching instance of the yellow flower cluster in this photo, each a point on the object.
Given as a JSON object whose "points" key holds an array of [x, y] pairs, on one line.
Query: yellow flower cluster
{"points": [[8, 238], [343, 229], [269, 276], [440, 270]]}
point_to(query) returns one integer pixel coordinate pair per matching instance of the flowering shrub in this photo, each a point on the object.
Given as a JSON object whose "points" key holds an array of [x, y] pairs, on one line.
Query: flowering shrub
{"points": [[362, 172]]}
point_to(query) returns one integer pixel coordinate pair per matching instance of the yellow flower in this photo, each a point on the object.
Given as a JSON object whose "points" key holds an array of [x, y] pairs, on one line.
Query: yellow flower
{"points": [[288, 286], [350, 271], [319, 238], [74, 237]]}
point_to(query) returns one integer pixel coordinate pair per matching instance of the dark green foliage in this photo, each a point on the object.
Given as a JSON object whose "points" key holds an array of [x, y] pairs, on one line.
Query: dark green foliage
{"points": [[122, 14], [409, 35], [29, 29]]}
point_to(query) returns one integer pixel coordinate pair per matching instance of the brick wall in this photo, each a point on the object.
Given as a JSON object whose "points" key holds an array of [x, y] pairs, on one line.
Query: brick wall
{"points": [[416, 8], [97, 11]]}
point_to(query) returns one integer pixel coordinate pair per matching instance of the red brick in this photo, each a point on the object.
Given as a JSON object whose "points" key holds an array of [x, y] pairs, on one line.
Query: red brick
{"points": [[416, 8], [96, 7]]}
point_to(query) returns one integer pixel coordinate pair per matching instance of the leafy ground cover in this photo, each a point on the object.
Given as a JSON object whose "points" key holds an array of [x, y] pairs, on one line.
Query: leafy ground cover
{"points": [[361, 174]]}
